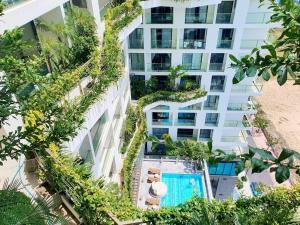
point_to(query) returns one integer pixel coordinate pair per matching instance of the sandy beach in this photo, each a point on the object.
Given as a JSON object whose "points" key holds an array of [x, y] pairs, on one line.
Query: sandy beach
{"points": [[282, 107]]}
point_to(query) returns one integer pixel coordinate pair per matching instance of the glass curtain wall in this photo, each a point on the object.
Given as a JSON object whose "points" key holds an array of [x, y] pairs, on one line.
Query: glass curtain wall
{"points": [[161, 38], [192, 61], [196, 15]]}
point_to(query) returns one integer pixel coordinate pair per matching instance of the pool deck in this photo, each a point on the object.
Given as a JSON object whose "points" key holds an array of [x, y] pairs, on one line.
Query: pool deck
{"points": [[166, 166]]}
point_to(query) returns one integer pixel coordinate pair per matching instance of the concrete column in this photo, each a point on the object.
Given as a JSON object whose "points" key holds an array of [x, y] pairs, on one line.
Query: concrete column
{"points": [[94, 9]]}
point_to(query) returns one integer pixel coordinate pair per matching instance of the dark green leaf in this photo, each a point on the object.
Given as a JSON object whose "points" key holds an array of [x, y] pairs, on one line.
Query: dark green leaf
{"points": [[251, 71], [285, 153], [282, 173], [239, 75], [266, 75], [259, 165], [234, 59], [264, 154], [271, 49], [282, 75]]}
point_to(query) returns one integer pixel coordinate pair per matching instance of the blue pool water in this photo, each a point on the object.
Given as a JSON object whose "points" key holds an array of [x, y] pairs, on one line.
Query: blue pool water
{"points": [[181, 187]]}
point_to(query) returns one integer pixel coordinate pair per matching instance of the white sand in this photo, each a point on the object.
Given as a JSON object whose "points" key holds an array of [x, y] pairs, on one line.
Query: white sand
{"points": [[282, 107]]}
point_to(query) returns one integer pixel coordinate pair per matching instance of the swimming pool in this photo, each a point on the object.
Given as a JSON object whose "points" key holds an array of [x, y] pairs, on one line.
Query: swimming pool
{"points": [[181, 187]]}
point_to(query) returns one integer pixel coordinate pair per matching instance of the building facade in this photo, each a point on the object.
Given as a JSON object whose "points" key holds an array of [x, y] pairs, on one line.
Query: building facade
{"points": [[200, 35]]}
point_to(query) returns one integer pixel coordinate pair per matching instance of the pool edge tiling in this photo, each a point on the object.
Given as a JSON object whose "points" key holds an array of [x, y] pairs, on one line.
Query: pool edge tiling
{"points": [[182, 187]]}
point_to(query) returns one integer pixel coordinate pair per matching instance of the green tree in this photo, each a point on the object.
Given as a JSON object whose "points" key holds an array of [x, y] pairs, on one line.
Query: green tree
{"points": [[283, 57]]}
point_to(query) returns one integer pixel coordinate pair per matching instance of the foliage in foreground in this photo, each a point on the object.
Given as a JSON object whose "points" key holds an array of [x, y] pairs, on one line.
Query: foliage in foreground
{"points": [[283, 57], [129, 127]]}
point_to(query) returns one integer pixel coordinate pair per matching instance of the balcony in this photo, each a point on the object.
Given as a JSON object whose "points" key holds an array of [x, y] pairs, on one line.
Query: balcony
{"points": [[159, 18], [250, 44], [165, 122], [224, 44], [158, 67], [185, 122], [247, 89], [191, 18], [245, 123], [235, 139], [241, 107], [258, 17], [216, 67], [192, 44], [163, 44], [192, 107], [224, 18]]}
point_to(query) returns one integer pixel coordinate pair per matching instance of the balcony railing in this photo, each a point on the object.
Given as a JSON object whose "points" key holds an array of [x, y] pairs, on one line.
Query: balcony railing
{"points": [[240, 107], [237, 123], [159, 18], [192, 107], [242, 138], [185, 122], [224, 18], [196, 18], [225, 44], [250, 44], [192, 44], [185, 137], [210, 106], [162, 44], [216, 67], [158, 66], [211, 123], [254, 88], [136, 43], [137, 67], [162, 122], [217, 88], [258, 17], [190, 66]]}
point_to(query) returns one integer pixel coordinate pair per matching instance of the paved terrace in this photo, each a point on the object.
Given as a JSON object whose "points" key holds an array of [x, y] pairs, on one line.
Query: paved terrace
{"points": [[167, 165]]}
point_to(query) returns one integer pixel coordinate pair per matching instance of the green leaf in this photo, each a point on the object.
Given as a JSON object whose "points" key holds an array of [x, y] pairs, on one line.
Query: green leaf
{"points": [[282, 75], [240, 167], [239, 75], [282, 173], [271, 49], [259, 165], [251, 71], [234, 59], [266, 75], [264, 154], [285, 153]]}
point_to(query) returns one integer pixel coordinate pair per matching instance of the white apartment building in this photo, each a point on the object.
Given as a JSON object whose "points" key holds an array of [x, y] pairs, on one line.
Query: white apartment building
{"points": [[99, 140], [200, 35]]}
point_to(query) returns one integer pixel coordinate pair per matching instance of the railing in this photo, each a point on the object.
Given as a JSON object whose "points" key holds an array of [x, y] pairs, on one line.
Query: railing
{"points": [[196, 18], [258, 17], [250, 44], [210, 106], [185, 122], [161, 122], [191, 66], [216, 67], [159, 18], [256, 88], [104, 10], [162, 44], [185, 137], [162, 107], [211, 123], [192, 44], [137, 67], [136, 43], [237, 123], [158, 66], [240, 107], [191, 107], [225, 44], [240, 138], [217, 88], [224, 18]]}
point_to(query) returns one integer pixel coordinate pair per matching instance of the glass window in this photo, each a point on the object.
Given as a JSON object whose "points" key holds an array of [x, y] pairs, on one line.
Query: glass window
{"points": [[136, 38], [206, 133], [188, 133], [161, 61], [85, 151], [159, 132], [217, 83], [224, 13], [137, 84], [192, 61], [211, 102], [162, 15], [196, 15], [96, 131], [211, 118], [137, 61]]}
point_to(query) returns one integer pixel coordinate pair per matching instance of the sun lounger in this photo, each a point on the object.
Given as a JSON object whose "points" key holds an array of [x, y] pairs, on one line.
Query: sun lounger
{"points": [[152, 179], [154, 170], [152, 201]]}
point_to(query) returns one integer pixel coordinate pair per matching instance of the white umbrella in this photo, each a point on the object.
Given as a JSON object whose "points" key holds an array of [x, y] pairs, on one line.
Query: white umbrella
{"points": [[159, 188]]}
